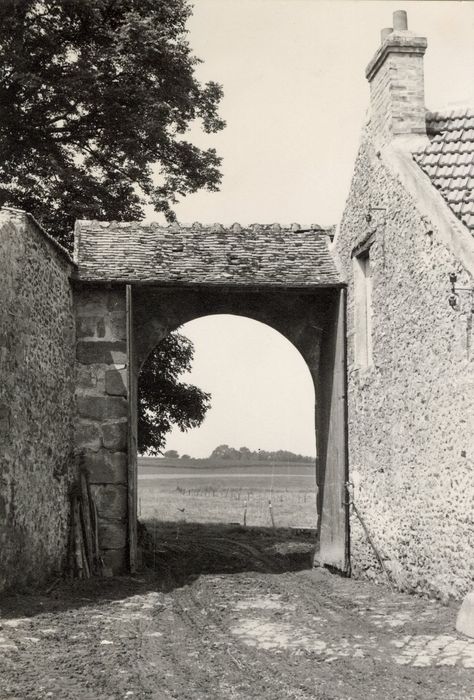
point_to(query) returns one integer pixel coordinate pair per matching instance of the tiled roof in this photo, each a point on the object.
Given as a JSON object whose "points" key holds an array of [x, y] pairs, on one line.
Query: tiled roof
{"points": [[448, 159], [259, 255]]}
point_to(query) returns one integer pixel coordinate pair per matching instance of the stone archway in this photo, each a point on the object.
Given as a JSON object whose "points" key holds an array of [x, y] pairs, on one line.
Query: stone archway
{"points": [[262, 393], [127, 304], [262, 401]]}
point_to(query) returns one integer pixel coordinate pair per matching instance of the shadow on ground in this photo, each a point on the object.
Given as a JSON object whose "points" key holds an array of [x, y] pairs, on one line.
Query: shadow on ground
{"points": [[181, 551], [175, 554]]}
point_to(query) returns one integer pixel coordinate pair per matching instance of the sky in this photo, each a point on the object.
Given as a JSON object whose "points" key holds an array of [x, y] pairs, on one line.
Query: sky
{"points": [[295, 100], [262, 391]]}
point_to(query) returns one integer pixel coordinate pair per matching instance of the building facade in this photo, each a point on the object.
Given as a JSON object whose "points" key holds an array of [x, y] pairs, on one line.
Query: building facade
{"points": [[405, 240]]}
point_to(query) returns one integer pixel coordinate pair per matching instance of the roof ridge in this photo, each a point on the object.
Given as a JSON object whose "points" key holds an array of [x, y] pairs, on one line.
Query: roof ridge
{"points": [[444, 113], [197, 225]]}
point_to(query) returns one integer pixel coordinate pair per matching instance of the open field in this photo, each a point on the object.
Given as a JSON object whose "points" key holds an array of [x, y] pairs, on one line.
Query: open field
{"points": [[236, 492]]}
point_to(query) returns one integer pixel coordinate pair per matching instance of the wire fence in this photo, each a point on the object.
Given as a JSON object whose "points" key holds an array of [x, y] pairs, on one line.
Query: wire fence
{"points": [[255, 501]]}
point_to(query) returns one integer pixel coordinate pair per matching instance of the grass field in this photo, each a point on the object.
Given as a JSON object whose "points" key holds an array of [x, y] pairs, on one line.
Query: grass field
{"points": [[227, 492]]}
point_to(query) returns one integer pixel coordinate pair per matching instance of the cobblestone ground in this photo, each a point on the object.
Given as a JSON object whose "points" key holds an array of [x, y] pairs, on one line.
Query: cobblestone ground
{"points": [[225, 620]]}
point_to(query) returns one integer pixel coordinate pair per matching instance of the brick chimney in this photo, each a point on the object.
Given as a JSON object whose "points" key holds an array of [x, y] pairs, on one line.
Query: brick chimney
{"points": [[397, 95]]}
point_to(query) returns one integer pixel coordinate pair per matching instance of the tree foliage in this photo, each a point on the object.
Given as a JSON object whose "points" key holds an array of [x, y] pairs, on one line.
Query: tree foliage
{"points": [[245, 455], [93, 95], [95, 99], [164, 401]]}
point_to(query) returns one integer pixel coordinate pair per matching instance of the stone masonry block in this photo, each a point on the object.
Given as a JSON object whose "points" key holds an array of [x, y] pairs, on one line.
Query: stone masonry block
{"points": [[111, 501], [85, 378], [118, 327], [86, 326], [90, 327], [112, 535], [116, 382], [106, 467], [93, 407], [114, 435], [101, 407], [116, 407], [101, 352], [87, 435]]}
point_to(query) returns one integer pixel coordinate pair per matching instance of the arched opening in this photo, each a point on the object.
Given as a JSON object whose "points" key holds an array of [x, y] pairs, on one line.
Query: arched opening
{"points": [[247, 475], [161, 278]]}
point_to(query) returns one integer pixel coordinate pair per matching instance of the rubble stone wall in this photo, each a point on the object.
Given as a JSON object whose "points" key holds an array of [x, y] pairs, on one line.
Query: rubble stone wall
{"points": [[411, 413], [36, 401], [100, 439]]}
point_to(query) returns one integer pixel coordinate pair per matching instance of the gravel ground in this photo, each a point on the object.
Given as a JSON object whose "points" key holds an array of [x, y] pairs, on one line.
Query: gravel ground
{"points": [[230, 613]]}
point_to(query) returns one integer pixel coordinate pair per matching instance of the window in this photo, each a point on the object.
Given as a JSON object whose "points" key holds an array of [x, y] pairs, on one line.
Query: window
{"points": [[363, 309]]}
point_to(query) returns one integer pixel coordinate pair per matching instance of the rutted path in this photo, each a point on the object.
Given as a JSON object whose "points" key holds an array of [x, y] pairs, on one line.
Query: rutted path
{"points": [[252, 632]]}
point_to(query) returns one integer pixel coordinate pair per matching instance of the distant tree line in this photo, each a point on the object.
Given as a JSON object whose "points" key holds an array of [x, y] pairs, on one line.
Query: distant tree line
{"points": [[243, 454]]}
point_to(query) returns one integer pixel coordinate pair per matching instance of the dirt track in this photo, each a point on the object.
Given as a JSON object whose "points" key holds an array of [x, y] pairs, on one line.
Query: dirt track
{"points": [[230, 614]]}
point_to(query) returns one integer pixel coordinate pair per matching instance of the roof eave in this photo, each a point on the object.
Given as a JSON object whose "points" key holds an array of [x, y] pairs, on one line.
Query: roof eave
{"points": [[243, 286]]}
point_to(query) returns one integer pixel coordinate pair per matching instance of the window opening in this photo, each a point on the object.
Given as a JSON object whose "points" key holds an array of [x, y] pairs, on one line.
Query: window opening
{"points": [[363, 309]]}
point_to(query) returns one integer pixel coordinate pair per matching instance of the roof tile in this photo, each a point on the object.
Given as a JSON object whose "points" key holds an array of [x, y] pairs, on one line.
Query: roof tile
{"points": [[196, 254], [448, 159]]}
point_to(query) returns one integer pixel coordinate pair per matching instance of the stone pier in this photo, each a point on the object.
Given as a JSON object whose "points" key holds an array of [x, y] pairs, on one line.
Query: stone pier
{"points": [[101, 400]]}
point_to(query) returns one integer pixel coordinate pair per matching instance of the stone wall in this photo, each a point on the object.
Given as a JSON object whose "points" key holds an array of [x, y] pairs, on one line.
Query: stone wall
{"points": [[411, 413], [101, 425], [36, 401]]}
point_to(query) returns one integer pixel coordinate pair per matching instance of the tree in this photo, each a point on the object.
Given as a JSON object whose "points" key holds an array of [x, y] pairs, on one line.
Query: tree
{"points": [[95, 99], [164, 401], [93, 95], [171, 454], [225, 452]]}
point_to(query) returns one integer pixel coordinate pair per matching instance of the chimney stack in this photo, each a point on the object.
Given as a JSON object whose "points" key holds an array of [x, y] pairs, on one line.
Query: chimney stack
{"points": [[400, 21], [397, 94]]}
